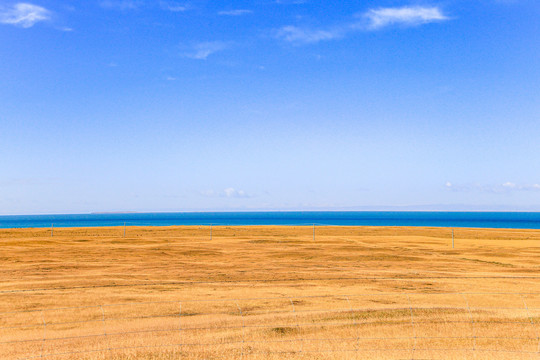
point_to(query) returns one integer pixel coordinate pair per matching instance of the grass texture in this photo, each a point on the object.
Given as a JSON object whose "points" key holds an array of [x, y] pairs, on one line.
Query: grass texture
{"points": [[269, 292]]}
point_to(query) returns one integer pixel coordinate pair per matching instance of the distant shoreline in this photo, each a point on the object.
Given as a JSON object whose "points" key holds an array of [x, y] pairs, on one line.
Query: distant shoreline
{"points": [[110, 212], [216, 227]]}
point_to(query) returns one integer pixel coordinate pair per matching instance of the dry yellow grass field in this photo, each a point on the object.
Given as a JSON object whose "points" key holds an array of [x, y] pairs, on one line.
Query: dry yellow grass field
{"points": [[269, 292]]}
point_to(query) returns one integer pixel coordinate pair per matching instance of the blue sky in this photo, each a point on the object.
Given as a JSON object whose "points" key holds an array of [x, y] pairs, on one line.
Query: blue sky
{"points": [[126, 105]]}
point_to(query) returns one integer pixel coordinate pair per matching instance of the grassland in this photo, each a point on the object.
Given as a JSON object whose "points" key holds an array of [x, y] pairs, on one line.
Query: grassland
{"points": [[269, 293]]}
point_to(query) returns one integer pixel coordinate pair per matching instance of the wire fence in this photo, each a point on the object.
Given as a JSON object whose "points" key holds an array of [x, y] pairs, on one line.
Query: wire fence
{"points": [[379, 325], [209, 230], [280, 280]]}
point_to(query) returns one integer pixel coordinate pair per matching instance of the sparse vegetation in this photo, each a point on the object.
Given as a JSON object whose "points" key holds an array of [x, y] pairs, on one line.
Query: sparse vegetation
{"points": [[269, 293]]}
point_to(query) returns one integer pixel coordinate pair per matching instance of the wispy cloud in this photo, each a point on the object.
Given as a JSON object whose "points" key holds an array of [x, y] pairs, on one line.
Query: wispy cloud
{"points": [[506, 187], [174, 6], [24, 15], [407, 15], [370, 20], [24, 181], [121, 4], [299, 35], [125, 5], [521, 187], [202, 50], [236, 12], [233, 193], [226, 193]]}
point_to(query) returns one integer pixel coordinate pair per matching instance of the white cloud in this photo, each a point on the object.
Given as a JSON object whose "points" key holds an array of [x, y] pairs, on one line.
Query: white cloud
{"points": [[174, 7], [509, 185], [233, 193], [24, 15], [121, 4], [296, 34], [237, 12], [209, 193], [376, 19], [527, 187], [494, 189], [226, 193], [124, 5], [202, 50], [408, 15]]}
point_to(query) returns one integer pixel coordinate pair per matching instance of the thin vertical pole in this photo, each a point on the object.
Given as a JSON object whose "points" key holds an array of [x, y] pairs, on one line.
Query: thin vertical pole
{"points": [[52, 230], [105, 330], [353, 317], [452, 238], [412, 327], [297, 325], [473, 332], [180, 323], [44, 333], [243, 329]]}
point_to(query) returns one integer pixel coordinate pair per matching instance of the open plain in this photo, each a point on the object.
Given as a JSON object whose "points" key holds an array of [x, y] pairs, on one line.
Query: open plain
{"points": [[269, 292]]}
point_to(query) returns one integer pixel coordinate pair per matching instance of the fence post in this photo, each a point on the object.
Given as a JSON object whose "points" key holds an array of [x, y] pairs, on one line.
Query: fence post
{"points": [[413, 328], [354, 325], [473, 332], [44, 332], [297, 324], [243, 329], [105, 330], [532, 322], [180, 325]]}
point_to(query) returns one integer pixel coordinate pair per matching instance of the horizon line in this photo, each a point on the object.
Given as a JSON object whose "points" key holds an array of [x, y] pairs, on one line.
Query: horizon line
{"points": [[271, 211]]}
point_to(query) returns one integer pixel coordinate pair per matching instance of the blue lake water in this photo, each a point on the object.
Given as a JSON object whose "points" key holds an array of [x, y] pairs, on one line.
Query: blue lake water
{"points": [[511, 220]]}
